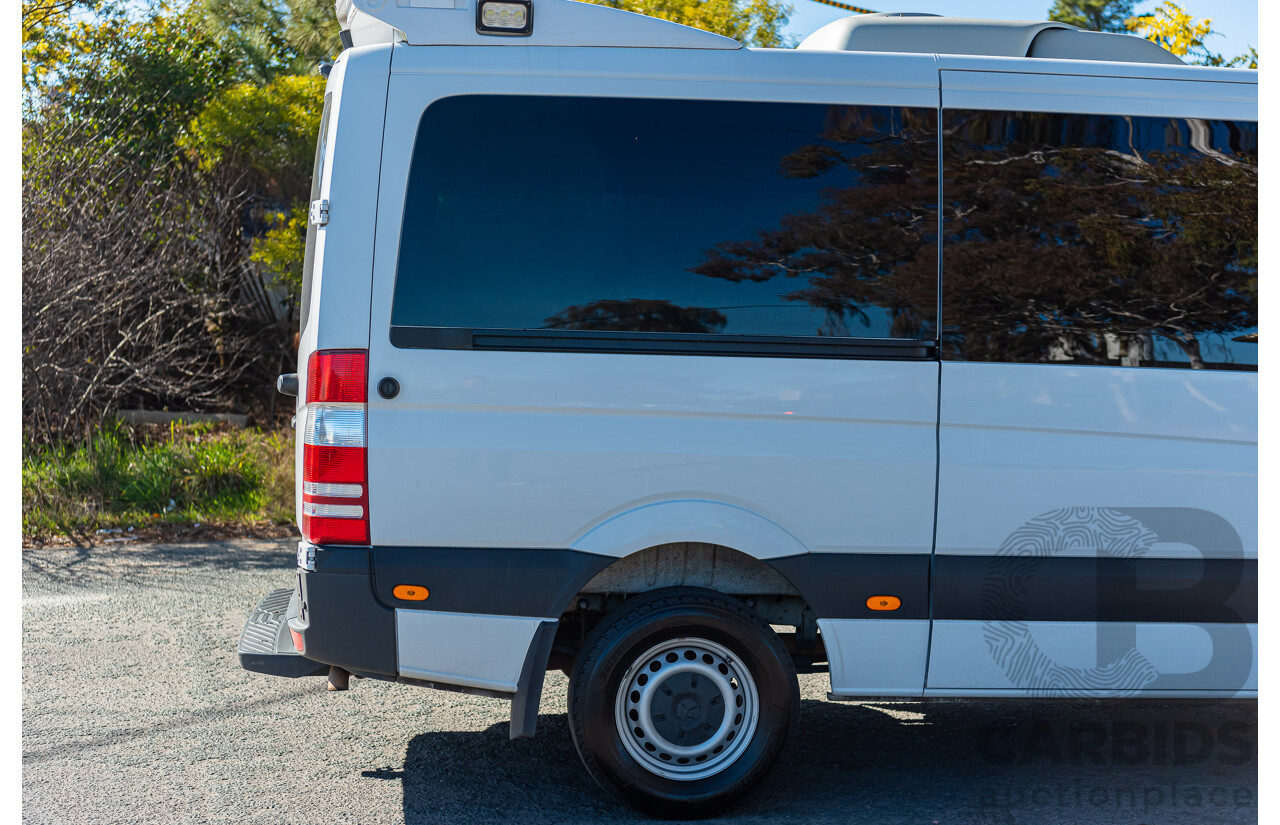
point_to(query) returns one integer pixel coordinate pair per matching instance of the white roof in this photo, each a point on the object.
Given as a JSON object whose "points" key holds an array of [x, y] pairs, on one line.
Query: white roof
{"points": [[570, 23]]}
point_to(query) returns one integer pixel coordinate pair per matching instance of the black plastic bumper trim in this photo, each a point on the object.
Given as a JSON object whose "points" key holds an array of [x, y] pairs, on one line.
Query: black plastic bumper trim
{"points": [[287, 665], [342, 621], [542, 583], [838, 585]]}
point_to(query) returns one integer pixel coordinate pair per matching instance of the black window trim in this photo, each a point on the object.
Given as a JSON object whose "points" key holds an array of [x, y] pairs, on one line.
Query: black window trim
{"points": [[662, 343]]}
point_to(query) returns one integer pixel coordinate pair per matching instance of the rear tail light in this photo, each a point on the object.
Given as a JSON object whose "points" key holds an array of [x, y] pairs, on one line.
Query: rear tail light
{"points": [[335, 469]]}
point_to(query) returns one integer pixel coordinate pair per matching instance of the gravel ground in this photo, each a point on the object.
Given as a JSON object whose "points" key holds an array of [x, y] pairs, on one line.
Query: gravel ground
{"points": [[135, 710]]}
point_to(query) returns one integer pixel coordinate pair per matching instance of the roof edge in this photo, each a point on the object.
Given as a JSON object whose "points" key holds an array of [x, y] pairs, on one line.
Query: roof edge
{"points": [[555, 23]]}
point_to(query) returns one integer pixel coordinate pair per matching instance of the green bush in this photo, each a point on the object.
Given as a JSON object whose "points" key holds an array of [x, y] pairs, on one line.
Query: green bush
{"points": [[134, 477]]}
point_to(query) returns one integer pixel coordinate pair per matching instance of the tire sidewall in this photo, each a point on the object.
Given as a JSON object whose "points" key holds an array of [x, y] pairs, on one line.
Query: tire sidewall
{"points": [[598, 679]]}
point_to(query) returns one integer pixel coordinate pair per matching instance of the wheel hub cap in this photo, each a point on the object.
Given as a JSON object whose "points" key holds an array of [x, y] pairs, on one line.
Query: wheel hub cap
{"points": [[686, 708]]}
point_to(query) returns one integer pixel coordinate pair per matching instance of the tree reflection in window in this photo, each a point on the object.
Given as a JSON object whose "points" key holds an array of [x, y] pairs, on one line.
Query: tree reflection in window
{"points": [[638, 315], [1100, 240], [868, 245], [1066, 238]]}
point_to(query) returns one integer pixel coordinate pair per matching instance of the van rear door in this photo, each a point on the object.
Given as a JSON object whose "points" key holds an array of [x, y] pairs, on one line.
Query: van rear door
{"points": [[339, 255]]}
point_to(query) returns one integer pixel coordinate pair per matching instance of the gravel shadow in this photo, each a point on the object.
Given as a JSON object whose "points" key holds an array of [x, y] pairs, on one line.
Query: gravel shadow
{"points": [[138, 562], [1005, 761]]}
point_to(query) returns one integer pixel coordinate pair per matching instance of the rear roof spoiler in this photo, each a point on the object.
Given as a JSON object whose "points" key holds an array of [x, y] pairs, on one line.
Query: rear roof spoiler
{"points": [[555, 23]]}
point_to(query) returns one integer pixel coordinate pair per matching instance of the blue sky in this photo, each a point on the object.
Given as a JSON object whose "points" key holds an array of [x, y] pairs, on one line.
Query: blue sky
{"points": [[1237, 20]]}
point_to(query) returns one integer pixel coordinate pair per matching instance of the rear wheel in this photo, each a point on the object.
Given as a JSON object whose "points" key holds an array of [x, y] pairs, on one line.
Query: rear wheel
{"points": [[681, 700]]}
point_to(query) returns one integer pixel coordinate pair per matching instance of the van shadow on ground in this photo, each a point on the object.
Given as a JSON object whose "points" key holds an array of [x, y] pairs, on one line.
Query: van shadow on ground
{"points": [[1008, 761]]}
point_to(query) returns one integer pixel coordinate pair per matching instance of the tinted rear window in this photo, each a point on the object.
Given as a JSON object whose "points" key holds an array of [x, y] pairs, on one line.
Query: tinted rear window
{"points": [[671, 216]]}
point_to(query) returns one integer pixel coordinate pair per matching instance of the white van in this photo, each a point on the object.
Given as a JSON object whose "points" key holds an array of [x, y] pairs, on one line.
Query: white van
{"points": [[632, 352]]}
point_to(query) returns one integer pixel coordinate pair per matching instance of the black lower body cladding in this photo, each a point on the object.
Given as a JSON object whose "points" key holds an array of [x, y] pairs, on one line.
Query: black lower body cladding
{"points": [[495, 581], [342, 622], [349, 606]]}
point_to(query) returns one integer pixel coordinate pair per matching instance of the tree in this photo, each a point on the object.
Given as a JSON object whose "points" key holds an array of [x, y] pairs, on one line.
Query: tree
{"points": [[133, 80], [267, 133], [267, 123], [131, 285], [270, 38], [1184, 35], [1096, 15], [145, 167], [752, 22], [268, 129], [52, 32]]}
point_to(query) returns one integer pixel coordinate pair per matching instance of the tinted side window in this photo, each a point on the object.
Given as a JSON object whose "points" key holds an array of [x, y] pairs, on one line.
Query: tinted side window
{"points": [[668, 216], [1100, 240]]}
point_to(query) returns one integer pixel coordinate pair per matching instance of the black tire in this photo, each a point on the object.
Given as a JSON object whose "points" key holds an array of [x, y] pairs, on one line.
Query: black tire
{"points": [[708, 622]]}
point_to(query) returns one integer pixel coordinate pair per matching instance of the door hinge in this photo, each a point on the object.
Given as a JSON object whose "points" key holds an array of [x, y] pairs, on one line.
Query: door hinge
{"points": [[320, 212]]}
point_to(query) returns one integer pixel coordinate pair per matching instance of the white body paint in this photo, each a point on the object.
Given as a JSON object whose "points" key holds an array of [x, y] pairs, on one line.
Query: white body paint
{"points": [[610, 454], [466, 649]]}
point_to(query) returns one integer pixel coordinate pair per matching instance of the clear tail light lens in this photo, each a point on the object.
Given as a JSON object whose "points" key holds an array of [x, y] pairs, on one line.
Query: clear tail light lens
{"points": [[335, 489]]}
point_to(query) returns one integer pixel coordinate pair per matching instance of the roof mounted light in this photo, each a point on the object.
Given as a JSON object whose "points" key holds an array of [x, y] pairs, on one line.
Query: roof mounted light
{"points": [[509, 17]]}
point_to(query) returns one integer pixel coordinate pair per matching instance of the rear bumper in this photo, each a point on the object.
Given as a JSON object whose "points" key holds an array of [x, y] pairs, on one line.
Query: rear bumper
{"points": [[265, 643], [489, 629], [340, 620], [333, 610], [488, 609]]}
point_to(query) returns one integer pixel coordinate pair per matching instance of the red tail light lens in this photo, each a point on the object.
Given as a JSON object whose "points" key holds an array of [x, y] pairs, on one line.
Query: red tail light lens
{"points": [[338, 376], [335, 492]]}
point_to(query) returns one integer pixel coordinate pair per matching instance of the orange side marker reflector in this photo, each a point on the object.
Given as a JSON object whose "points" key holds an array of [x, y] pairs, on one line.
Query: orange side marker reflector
{"points": [[410, 592], [884, 603], [297, 639]]}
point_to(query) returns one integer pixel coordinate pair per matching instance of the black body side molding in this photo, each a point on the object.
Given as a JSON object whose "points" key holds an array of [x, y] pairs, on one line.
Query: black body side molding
{"points": [[494, 581]]}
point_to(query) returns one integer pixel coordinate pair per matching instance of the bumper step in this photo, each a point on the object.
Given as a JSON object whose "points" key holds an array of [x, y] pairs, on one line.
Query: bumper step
{"points": [[265, 643]]}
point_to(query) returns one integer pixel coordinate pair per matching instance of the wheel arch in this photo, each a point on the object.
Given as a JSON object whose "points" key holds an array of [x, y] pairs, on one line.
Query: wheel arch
{"points": [[689, 520], [716, 567], [672, 543]]}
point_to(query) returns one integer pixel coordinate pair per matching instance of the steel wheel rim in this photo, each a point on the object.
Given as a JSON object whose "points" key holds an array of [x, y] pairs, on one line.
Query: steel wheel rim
{"points": [[686, 709]]}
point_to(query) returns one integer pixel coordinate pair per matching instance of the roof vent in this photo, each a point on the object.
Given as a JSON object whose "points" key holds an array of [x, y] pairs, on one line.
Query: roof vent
{"points": [[932, 34]]}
